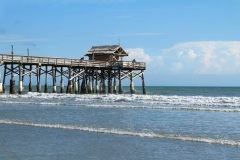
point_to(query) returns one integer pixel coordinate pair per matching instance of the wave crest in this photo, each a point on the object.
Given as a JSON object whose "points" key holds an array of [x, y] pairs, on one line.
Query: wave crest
{"points": [[123, 132]]}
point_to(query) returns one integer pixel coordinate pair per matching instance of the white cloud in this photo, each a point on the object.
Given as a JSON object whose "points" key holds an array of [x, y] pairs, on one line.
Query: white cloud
{"points": [[180, 53], [176, 67], [210, 57], [138, 54], [191, 54]]}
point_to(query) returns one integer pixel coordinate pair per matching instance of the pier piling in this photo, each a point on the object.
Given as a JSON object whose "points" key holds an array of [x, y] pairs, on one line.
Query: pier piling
{"points": [[109, 82], [131, 83], [20, 87], [143, 84], [120, 90], [1, 85], [30, 79], [46, 81], [114, 83], [96, 82]]}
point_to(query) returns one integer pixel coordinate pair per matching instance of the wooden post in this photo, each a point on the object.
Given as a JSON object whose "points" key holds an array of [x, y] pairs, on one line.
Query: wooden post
{"points": [[109, 82], [12, 81], [46, 83], [73, 83], [90, 85], [23, 74], [30, 79], [103, 85], [114, 83], [4, 77], [143, 84], [69, 88], [38, 78], [54, 79], [83, 87], [61, 82], [1, 85], [92, 81], [96, 82], [131, 83], [20, 90], [76, 85], [120, 90], [79, 84]]}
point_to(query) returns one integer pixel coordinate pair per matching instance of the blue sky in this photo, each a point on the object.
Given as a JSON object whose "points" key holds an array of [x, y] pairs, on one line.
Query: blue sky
{"points": [[185, 43]]}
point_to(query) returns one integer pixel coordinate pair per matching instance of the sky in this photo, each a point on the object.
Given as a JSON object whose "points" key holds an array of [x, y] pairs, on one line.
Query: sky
{"points": [[183, 42]]}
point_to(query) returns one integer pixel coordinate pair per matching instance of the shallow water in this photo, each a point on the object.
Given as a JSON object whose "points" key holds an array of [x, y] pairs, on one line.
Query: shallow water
{"points": [[182, 123]]}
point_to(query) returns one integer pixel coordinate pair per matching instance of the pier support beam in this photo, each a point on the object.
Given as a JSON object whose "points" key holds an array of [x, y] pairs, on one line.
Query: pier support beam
{"points": [[61, 82], [38, 78], [120, 90], [114, 83], [90, 87], [109, 82], [12, 86], [30, 79], [69, 90], [76, 86], [143, 84], [4, 78], [1, 85], [12, 81], [132, 91], [20, 87], [103, 85], [69, 87], [96, 82], [92, 82], [46, 83], [54, 79], [79, 83], [84, 87]]}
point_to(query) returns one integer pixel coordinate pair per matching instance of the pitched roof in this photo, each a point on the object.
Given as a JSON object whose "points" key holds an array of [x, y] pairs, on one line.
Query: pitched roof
{"points": [[107, 49]]}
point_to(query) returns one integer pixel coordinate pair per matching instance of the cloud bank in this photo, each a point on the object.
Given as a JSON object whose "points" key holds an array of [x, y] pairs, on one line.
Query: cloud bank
{"points": [[138, 54], [210, 57]]}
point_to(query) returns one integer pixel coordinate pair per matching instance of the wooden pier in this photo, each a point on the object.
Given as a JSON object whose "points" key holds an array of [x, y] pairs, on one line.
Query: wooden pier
{"points": [[84, 76]]}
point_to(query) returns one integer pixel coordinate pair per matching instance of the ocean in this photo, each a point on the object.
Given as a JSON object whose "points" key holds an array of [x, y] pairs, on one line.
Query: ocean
{"points": [[167, 123]]}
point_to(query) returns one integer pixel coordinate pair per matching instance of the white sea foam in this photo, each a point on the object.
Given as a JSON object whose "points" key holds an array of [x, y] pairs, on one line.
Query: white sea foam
{"points": [[222, 104], [122, 132]]}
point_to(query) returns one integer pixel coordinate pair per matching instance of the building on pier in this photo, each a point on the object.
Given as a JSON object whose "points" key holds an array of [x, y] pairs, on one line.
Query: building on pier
{"points": [[83, 76], [106, 53]]}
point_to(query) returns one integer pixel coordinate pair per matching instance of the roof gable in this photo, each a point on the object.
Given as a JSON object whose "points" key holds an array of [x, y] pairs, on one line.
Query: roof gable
{"points": [[107, 49]]}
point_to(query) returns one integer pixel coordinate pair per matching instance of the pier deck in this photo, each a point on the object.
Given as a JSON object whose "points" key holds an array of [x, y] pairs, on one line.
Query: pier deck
{"points": [[65, 62]]}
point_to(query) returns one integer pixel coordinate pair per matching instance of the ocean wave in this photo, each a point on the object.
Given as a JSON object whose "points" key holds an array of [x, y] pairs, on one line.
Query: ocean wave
{"points": [[139, 100], [123, 132], [125, 106]]}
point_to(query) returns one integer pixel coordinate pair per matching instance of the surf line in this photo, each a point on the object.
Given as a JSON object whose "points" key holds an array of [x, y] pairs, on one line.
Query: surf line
{"points": [[125, 106], [122, 132]]}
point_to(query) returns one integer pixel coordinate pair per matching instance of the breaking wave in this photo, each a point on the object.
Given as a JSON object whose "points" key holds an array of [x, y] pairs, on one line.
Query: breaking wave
{"points": [[123, 132], [197, 103]]}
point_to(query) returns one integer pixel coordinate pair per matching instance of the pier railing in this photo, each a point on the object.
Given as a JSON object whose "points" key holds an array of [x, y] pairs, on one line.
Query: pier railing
{"points": [[16, 59]]}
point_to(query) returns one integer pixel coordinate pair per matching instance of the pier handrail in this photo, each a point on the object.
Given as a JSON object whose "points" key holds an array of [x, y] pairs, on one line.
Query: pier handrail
{"points": [[9, 58]]}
